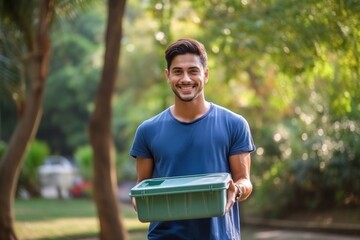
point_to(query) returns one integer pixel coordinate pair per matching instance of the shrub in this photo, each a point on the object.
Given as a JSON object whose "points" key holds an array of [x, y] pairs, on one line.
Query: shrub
{"points": [[84, 161], [2, 148], [35, 156], [319, 166]]}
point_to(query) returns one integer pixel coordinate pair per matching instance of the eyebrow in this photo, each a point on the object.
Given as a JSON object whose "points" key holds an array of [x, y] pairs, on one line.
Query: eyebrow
{"points": [[191, 68]]}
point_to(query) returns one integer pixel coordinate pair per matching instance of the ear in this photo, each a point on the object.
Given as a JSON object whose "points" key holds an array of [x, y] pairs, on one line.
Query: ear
{"points": [[206, 74], [167, 73]]}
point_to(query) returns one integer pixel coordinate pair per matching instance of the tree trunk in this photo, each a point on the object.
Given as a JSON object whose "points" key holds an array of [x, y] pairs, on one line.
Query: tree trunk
{"points": [[105, 182], [27, 126]]}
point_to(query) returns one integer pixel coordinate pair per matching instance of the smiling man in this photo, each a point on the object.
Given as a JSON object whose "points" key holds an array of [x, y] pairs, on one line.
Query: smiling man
{"points": [[194, 136]]}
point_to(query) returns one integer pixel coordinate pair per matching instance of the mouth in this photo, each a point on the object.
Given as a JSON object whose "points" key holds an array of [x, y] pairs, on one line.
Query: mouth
{"points": [[186, 89], [186, 86]]}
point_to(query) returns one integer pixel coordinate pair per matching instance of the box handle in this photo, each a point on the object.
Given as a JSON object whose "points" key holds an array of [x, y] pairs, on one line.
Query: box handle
{"points": [[155, 182]]}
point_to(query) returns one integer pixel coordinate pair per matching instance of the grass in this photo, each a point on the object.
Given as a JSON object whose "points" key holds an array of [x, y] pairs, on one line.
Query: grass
{"points": [[44, 219]]}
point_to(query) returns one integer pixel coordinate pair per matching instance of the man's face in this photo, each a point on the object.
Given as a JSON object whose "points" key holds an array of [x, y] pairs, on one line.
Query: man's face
{"points": [[187, 77]]}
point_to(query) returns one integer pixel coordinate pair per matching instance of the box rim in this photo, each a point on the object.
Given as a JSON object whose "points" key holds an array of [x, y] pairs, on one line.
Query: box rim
{"points": [[141, 192]]}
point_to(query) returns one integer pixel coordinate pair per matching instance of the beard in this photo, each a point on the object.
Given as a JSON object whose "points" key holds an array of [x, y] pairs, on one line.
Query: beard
{"points": [[186, 98]]}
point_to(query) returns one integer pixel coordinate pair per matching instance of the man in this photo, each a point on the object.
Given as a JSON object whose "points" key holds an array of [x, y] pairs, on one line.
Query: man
{"points": [[194, 136]]}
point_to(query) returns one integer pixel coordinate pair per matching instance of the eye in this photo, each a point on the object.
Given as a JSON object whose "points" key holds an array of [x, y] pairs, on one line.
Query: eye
{"points": [[194, 71], [176, 71]]}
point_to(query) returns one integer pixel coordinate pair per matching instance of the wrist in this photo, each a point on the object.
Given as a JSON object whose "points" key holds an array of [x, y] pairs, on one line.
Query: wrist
{"points": [[239, 191]]}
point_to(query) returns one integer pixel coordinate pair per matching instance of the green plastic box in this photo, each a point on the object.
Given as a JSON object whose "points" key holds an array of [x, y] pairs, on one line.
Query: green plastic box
{"points": [[183, 197]]}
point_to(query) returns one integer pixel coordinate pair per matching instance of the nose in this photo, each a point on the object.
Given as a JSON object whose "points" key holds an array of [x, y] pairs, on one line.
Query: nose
{"points": [[186, 77]]}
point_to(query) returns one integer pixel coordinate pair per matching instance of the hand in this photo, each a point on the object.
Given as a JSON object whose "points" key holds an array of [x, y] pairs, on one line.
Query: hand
{"points": [[133, 201], [231, 194]]}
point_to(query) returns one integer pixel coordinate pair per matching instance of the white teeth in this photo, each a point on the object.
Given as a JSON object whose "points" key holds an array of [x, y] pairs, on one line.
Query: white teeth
{"points": [[186, 86]]}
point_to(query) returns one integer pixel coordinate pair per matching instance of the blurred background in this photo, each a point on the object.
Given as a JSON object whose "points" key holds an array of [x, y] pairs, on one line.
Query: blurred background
{"points": [[291, 68]]}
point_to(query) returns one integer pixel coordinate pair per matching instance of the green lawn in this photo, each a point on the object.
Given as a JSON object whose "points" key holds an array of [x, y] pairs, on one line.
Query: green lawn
{"points": [[67, 219], [40, 219]]}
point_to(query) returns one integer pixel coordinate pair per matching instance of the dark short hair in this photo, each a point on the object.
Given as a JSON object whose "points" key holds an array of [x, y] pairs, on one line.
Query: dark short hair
{"points": [[184, 46]]}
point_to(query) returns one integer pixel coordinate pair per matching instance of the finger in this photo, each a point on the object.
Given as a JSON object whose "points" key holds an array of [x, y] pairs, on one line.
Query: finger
{"points": [[133, 201], [229, 204]]}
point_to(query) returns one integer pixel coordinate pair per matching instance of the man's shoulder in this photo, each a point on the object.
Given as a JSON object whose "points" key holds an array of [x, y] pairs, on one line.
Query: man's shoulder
{"points": [[155, 120], [227, 116], [225, 111]]}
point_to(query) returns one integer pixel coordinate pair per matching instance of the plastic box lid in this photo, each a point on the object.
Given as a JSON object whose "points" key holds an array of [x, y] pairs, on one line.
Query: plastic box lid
{"points": [[181, 184]]}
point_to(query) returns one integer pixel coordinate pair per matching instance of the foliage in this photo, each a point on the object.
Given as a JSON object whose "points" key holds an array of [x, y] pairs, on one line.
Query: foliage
{"points": [[84, 161], [2, 148], [12, 49], [72, 82], [326, 168], [290, 67], [299, 62], [34, 158]]}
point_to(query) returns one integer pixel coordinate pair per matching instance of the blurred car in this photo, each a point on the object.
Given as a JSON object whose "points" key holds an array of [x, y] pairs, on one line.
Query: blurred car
{"points": [[124, 189], [81, 189], [57, 175]]}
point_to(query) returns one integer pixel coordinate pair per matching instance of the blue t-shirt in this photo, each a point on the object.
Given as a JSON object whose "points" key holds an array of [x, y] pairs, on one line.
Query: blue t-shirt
{"points": [[199, 147]]}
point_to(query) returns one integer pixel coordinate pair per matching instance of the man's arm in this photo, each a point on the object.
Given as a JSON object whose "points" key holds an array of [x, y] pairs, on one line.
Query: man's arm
{"points": [[240, 172], [144, 170]]}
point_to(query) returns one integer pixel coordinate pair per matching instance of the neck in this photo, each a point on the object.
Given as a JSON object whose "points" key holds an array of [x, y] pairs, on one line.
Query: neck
{"points": [[189, 111]]}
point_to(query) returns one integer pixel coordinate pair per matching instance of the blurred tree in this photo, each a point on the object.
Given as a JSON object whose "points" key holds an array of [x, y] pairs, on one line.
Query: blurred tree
{"points": [[72, 81], [36, 43], [24, 61], [105, 181], [75, 76]]}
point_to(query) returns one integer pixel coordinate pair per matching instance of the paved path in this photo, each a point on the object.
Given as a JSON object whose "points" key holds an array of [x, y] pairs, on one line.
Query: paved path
{"points": [[250, 233], [268, 234]]}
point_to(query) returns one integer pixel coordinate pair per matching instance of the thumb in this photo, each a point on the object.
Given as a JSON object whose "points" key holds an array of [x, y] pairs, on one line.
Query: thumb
{"points": [[231, 194]]}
